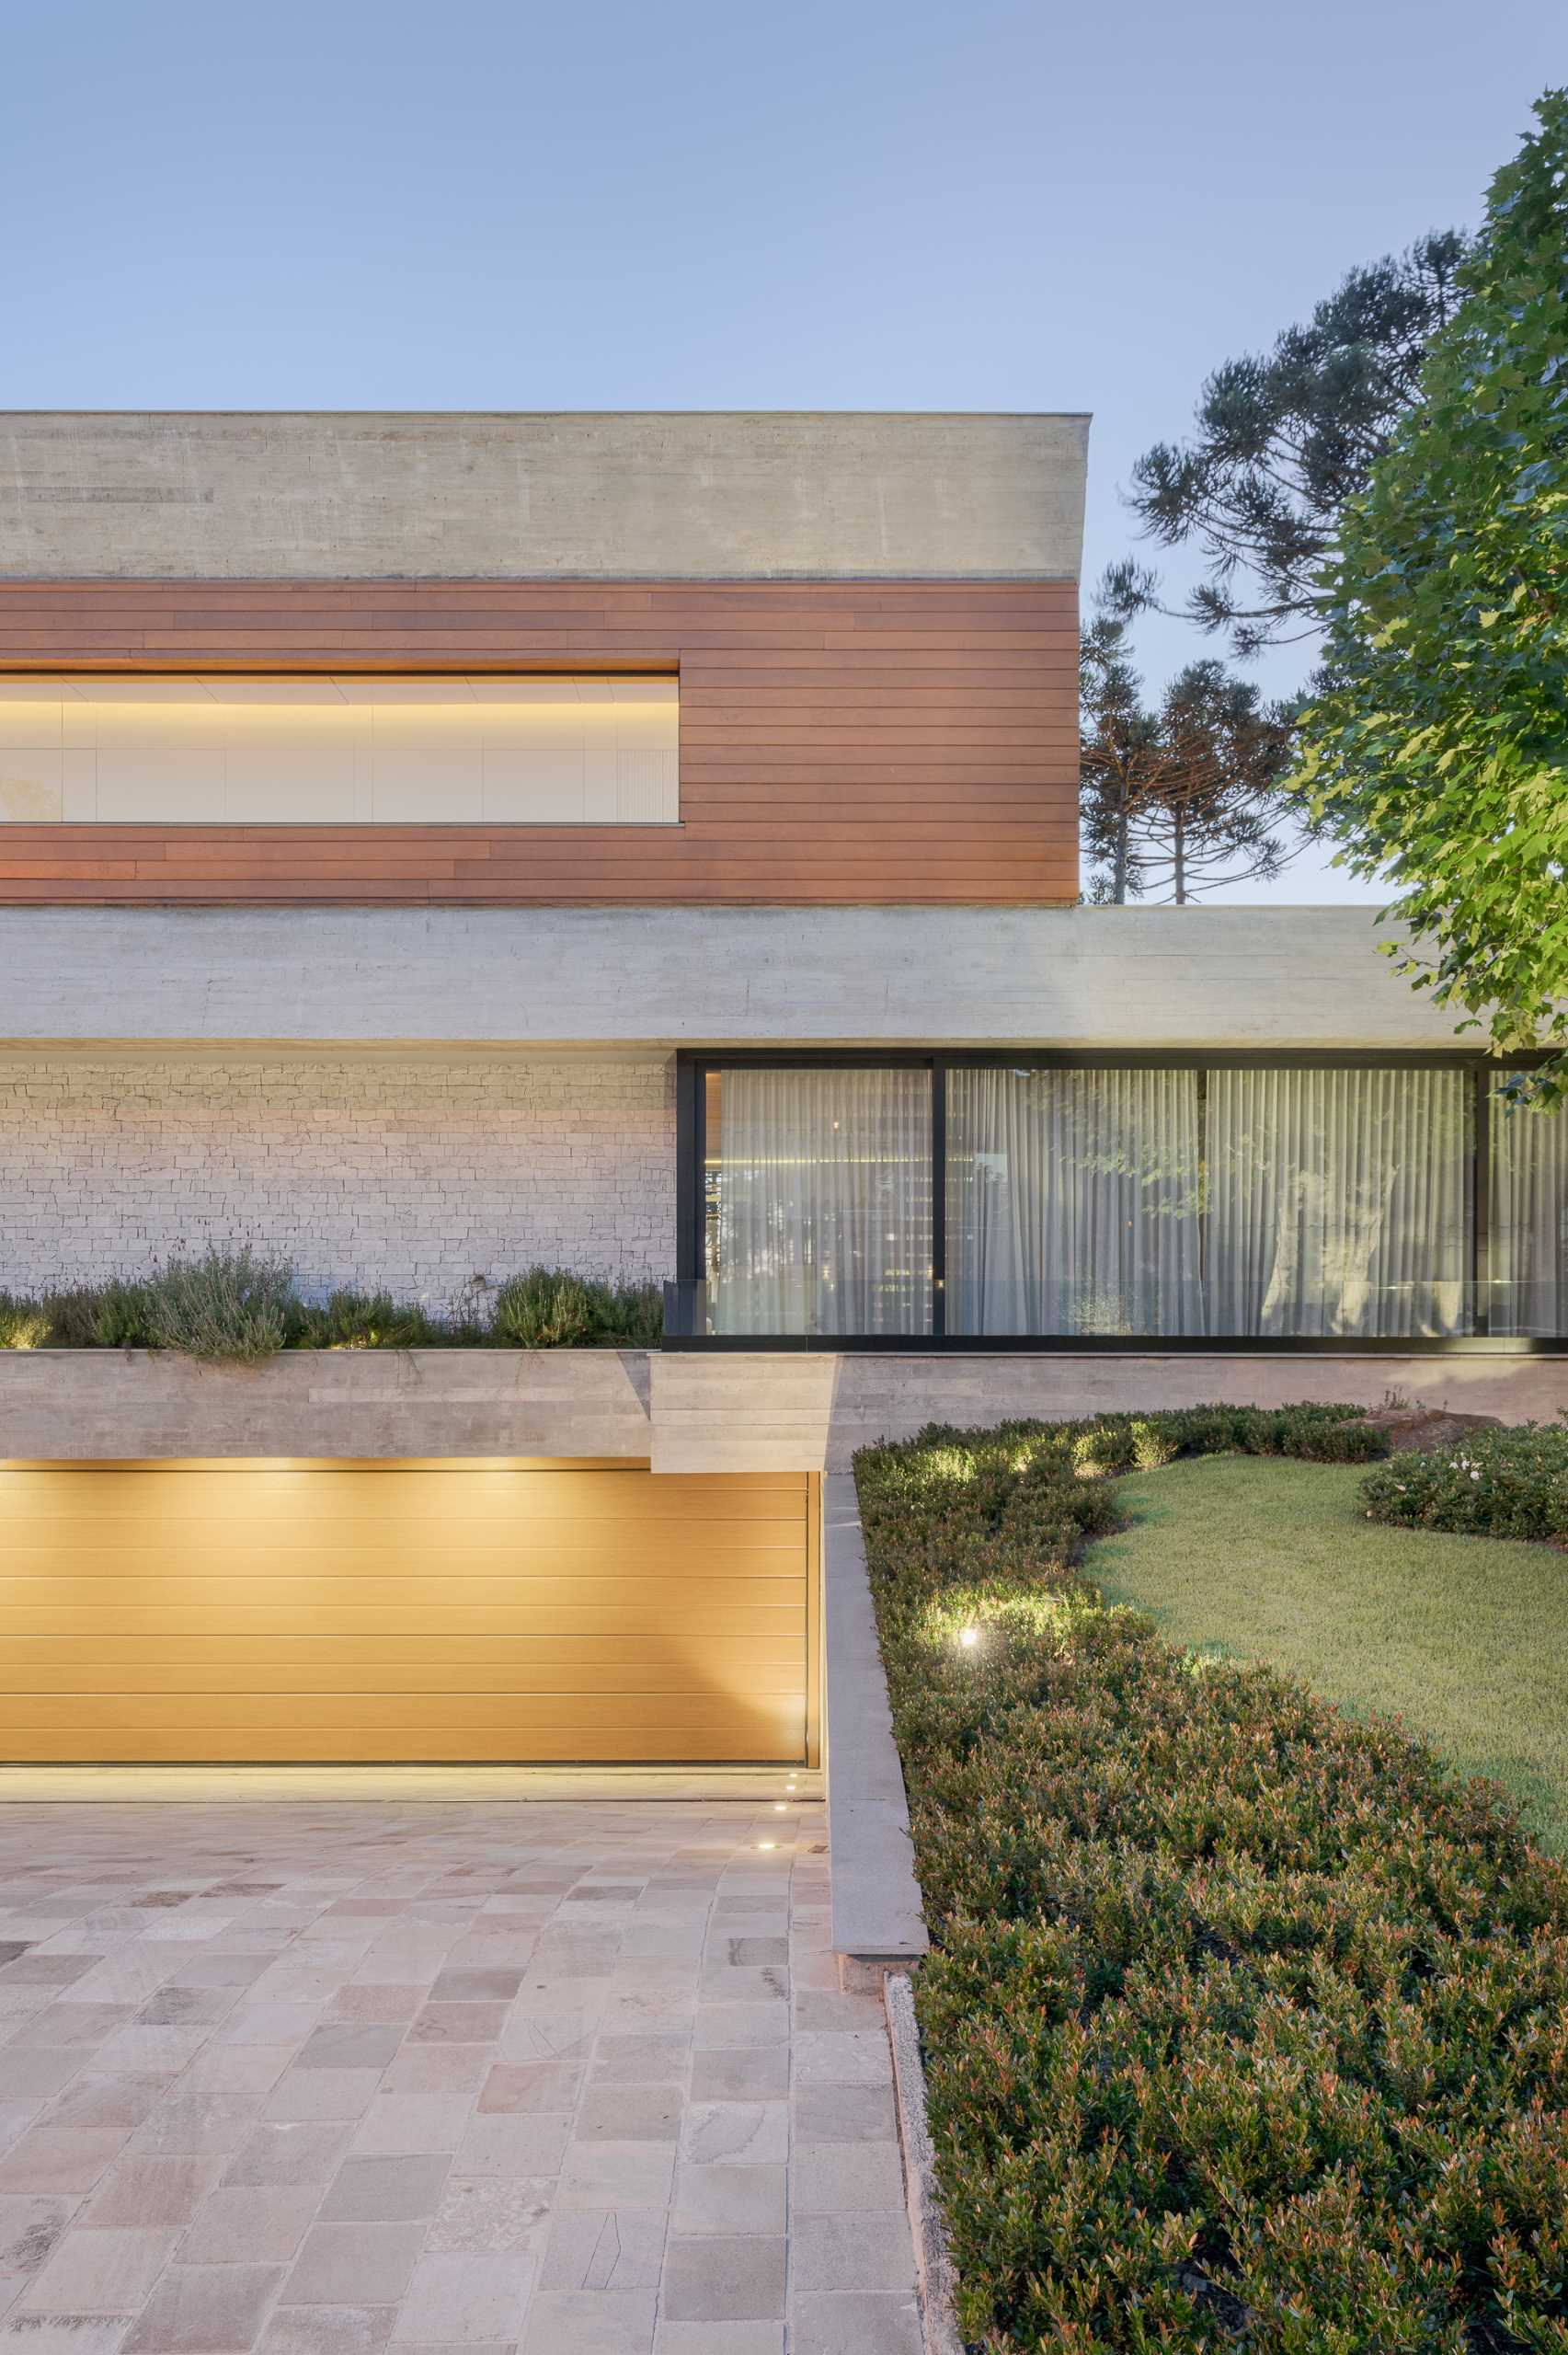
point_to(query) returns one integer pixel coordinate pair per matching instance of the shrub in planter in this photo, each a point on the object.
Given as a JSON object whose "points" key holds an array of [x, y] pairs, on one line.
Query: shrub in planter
{"points": [[228, 1307], [360, 1320], [1509, 1483], [24, 1324], [546, 1309], [1243, 2022], [111, 1315]]}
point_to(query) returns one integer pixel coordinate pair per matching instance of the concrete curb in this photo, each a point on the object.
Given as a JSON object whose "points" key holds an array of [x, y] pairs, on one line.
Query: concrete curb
{"points": [[933, 2258], [877, 1924]]}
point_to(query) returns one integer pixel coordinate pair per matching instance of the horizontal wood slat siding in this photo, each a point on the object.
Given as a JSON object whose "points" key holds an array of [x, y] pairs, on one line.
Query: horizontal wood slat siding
{"points": [[252, 1615], [841, 742]]}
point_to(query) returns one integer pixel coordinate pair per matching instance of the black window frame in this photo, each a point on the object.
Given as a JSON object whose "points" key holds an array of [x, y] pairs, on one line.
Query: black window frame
{"points": [[694, 1064]]}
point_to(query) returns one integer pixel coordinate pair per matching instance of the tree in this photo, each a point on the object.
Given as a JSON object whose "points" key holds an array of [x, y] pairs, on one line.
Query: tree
{"points": [[1437, 752], [1178, 800], [1284, 439]]}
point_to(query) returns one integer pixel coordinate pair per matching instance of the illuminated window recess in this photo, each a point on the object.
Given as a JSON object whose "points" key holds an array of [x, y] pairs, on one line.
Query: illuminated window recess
{"points": [[338, 750]]}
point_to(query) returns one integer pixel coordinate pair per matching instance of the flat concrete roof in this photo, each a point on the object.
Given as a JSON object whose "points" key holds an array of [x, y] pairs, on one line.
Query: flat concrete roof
{"points": [[765, 495]]}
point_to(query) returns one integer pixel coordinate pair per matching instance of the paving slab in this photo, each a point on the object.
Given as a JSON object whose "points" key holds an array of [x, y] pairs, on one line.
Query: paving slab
{"points": [[327, 2076]]}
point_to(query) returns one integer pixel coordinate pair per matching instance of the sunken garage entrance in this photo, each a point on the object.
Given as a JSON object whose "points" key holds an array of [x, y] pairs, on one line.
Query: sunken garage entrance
{"points": [[540, 1611]]}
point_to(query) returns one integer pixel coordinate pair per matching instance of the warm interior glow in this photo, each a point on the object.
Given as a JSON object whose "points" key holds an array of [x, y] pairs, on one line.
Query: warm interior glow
{"points": [[344, 750]]}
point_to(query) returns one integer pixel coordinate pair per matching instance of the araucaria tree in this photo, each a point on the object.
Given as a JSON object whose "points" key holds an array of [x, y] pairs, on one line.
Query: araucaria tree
{"points": [[1281, 440], [1437, 752], [1177, 798]]}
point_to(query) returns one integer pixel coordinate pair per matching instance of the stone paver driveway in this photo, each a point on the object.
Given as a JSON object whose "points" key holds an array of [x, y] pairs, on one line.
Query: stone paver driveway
{"points": [[572, 2078]]}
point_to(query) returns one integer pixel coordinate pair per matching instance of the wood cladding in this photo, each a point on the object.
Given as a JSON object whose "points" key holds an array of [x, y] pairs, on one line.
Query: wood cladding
{"points": [[840, 742], [265, 1615]]}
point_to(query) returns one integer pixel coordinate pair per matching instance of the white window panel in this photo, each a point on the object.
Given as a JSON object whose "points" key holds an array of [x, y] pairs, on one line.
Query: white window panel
{"points": [[172, 787], [344, 750], [31, 785]]}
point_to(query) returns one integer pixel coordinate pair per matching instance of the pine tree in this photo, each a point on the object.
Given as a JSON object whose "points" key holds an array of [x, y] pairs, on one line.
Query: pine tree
{"points": [[1179, 799], [1282, 440]]}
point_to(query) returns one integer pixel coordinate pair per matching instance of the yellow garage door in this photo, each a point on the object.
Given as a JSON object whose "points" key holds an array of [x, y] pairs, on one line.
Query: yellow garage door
{"points": [[254, 1612]]}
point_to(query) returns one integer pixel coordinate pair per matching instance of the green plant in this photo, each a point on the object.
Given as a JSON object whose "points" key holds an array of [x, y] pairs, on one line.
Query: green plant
{"points": [[227, 1307], [1509, 1483], [1283, 440], [24, 1324], [238, 1306], [1243, 2021], [1434, 756], [548, 1308], [114, 1314], [358, 1320]]}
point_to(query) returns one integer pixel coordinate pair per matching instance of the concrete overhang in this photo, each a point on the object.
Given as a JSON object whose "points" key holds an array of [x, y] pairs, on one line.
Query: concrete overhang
{"points": [[682, 494], [649, 979]]}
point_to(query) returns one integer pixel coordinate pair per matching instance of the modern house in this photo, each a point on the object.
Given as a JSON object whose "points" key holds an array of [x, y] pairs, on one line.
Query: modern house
{"points": [[432, 845]]}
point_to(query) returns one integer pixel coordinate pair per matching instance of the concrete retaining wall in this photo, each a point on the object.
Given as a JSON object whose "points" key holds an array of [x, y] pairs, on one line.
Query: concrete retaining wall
{"points": [[738, 1413]]}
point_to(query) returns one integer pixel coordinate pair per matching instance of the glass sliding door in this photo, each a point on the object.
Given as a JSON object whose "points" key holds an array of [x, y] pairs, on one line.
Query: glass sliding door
{"points": [[819, 1201], [1198, 1201], [1338, 1202], [1073, 1201], [1528, 1259]]}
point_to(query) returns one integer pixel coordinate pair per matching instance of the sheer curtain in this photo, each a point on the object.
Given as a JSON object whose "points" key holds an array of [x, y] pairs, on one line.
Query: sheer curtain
{"points": [[1529, 1222], [1072, 1202], [1339, 1202], [820, 1202]]}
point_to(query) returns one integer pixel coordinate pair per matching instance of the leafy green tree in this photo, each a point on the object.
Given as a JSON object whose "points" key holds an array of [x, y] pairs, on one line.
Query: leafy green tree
{"points": [[1437, 752], [1282, 439], [1179, 799]]}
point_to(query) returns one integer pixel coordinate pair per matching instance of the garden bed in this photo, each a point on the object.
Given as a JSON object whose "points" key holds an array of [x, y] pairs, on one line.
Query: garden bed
{"points": [[1243, 2021]]}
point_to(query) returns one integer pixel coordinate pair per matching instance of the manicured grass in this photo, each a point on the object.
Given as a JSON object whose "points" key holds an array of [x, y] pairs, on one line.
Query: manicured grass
{"points": [[1267, 1559]]}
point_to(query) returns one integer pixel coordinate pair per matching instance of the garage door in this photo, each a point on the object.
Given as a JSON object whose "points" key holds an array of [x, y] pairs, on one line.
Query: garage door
{"points": [[252, 1613]]}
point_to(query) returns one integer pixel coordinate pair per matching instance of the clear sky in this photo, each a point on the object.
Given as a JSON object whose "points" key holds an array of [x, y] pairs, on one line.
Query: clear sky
{"points": [[675, 204]]}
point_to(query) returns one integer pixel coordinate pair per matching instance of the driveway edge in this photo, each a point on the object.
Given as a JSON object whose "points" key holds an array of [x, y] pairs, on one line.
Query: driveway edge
{"points": [[877, 1921], [933, 2257]]}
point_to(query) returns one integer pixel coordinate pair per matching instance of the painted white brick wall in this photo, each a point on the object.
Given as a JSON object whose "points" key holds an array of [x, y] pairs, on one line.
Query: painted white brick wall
{"points": [[414, 1173]]}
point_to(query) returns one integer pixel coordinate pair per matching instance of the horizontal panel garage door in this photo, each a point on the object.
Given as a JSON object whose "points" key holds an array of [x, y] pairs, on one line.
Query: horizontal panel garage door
{"points": [[261, 1613]]}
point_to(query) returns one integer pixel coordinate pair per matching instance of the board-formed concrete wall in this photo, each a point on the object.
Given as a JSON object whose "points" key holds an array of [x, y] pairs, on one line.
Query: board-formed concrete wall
{"points": [[682, 1413], [414, 1174], [661, 977], [672, 496]]}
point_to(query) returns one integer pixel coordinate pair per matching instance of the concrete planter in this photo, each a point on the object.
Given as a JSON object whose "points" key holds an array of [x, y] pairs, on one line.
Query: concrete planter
{"points": [[681, 1412], [63, 1404]]}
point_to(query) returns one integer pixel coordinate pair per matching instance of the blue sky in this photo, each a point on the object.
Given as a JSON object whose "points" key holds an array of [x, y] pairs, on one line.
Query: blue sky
{"points": [[872, 204]]}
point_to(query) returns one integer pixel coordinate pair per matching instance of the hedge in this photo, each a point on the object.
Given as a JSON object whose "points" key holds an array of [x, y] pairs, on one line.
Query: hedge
{"points": [[1509, 1483], [1246, 2028]]}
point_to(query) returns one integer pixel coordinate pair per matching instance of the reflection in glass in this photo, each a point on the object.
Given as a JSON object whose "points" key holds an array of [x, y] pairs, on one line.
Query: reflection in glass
{"points": [[819, 1201], [1528, 1290], [1338, 1202], [1073, 1202]]}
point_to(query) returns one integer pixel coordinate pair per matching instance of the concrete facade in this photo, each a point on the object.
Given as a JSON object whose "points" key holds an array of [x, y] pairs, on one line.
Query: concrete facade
{"points": [[418, 1174], [657, 978], [671, 496], [681, 1413]]}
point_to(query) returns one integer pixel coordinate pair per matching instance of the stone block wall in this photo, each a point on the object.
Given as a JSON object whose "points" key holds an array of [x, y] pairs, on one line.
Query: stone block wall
{"points": [[415, 1173]]}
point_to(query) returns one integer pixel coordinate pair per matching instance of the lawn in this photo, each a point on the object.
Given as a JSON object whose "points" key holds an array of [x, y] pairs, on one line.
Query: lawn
{"points": [[1264, 1559]]}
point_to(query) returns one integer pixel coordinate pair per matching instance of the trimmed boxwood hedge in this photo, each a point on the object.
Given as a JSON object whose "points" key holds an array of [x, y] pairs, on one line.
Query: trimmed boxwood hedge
{"points": [[1510, 1483], [1246, 2026]]}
